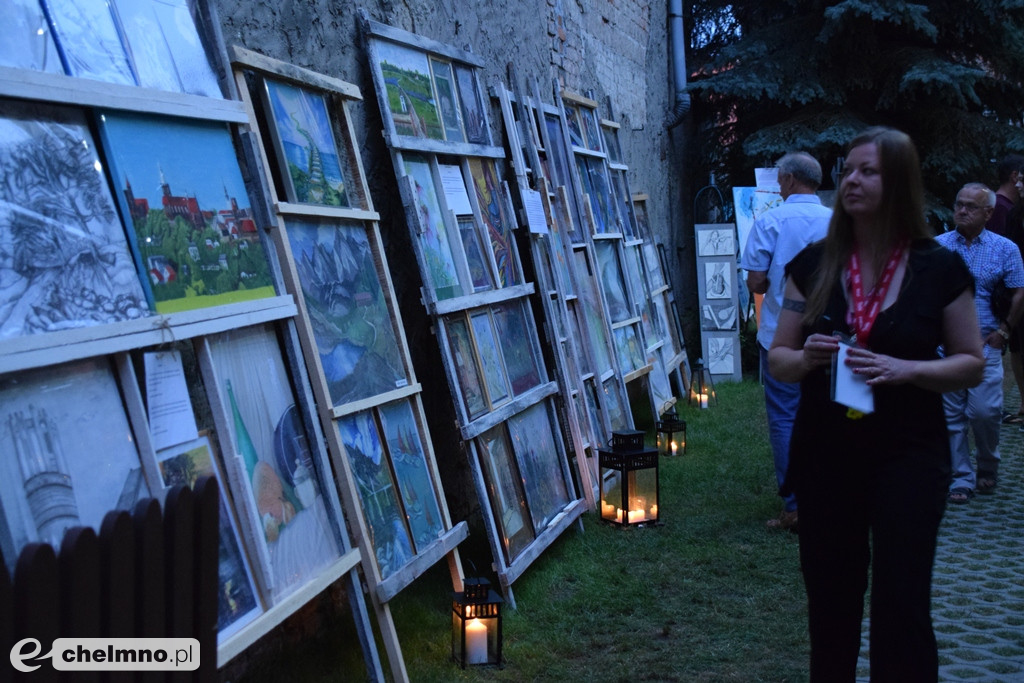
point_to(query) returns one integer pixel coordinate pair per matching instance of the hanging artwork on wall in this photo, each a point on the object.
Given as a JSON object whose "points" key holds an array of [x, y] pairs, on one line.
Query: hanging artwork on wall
{"points": [[355, 334], [410, 91], [715, 316], [180, 188], [67, 263], [48, 483], [284, 494], [307, 152], [720, 356]]}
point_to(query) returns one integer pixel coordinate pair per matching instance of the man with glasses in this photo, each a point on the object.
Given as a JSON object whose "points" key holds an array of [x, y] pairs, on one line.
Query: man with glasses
{"points": [[992, 259], [775, 238]]}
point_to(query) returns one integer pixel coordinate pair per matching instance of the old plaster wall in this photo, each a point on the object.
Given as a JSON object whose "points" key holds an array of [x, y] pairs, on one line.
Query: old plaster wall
{"points": [[608, 49]]}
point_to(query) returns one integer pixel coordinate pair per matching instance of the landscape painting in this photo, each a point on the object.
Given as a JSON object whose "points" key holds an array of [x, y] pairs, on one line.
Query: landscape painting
{"points": [[64, 259], [410, 91], [348, 312], [180, 188], [49, 483], [391, 542], [433, 231], [307, 152], [538, 454]]}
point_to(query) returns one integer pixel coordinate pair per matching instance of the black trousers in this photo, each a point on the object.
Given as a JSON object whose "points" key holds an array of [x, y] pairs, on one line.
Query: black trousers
{"points": [[882, 515]]}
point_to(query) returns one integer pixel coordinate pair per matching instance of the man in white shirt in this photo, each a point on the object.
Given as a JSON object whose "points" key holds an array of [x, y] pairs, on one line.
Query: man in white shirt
{"points": [[776, 237]]}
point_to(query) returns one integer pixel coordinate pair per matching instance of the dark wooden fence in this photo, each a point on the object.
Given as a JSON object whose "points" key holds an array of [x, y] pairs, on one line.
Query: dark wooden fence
{"points": [[148, 574]]}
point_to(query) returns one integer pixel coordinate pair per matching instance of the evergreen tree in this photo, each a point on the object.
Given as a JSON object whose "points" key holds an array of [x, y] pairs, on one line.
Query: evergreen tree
{"points": [[771, 77]]}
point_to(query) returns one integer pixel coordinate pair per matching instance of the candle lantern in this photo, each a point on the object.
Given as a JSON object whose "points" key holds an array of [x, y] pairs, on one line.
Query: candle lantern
{"points": [[476, 625], [702, 387], [629, 481], [671, 434]]}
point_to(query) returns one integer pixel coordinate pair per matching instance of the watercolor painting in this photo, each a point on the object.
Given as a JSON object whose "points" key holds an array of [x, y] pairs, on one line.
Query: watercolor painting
{"points": [[749, 203], [392, 543], [504, 484], [64, 259], [355, 334], [194, 232], [491, 199], [612, 280], [415, 483], [89, 41], [466, 369], [183, 465], [432, 230], [284, 497], [307, 152], [48, 482], [490, 357], [451, 116], [409, 89], [474, 114], [517, 346], [539, 456]]}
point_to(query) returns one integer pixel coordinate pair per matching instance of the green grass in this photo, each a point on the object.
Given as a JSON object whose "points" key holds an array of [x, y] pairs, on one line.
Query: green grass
{"points": [[710, 595]]}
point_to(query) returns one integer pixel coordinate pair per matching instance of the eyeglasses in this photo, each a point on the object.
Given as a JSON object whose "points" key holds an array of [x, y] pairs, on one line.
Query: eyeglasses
{"points": [[966, 206]]}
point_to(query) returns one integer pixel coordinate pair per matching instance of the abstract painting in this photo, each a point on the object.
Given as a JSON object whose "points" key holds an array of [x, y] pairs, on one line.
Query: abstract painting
{"points": [[409, 90], [183, 465], [466, 369], [64, 259], [433, 230], [352, 324], [307, 152], [504, 484], [491, 199], [284, 496], [517, 346], [716, 241], [451, 116], [415, 484], [180, 188], [49, 482], [538, 455], [491, 364], [721, 355], [392, 544]]}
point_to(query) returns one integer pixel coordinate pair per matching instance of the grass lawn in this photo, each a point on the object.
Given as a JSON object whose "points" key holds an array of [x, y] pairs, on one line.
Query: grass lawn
{"points": [[710, 595]]}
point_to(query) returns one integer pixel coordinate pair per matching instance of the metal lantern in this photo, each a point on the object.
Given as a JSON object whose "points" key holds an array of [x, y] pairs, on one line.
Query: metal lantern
{"points": [[629, 481], [671, 434], [476, 625], [702, 387]]}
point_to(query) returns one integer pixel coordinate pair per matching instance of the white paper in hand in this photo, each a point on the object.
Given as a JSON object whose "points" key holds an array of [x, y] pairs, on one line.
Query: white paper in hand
{"points": [[849, 389]]}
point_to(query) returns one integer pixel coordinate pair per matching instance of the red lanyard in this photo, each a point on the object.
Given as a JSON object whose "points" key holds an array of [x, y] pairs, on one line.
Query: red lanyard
{"points": [[866, 308]]}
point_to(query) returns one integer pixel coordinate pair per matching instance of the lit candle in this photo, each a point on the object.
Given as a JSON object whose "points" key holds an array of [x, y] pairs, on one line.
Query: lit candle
{"points": [[476, 642], [654, 512], [607, 510], [675, 448], [618, 515], [703, 400], [636, 516]]}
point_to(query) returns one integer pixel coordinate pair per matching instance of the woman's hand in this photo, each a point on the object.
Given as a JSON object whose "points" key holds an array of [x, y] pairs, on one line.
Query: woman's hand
{"points": [[879, 368], [818, 350]]}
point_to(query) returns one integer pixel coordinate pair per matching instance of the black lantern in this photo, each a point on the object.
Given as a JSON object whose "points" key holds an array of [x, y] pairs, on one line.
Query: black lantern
{"points": [[702, 387], [629, 481], [476, 625], [671, 434]]}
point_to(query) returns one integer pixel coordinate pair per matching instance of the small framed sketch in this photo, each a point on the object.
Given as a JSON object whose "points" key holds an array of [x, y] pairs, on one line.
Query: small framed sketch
{"points": [[721, 354], [718, 316], [718, 280], [716, 241]]}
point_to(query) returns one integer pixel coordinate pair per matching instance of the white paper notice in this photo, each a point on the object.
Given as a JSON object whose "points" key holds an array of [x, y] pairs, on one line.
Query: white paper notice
{"points": [[849, 389], [171, 420], [767, 179], [535, 216], [455, 189]]}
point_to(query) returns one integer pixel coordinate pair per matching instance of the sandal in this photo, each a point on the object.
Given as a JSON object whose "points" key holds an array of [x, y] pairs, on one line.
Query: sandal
{"points": [[986, 485], [1013, 419], [960, 495]]}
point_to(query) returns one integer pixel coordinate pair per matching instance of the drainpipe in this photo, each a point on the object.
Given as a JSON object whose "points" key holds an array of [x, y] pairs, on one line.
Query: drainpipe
{"points": [[677, 42]]}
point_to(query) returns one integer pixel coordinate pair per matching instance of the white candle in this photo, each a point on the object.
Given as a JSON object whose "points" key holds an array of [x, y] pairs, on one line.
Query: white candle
{"points": [[618, 515], [607, 510], [675, 448], [654, 512], [476, 642], [703, 400], [636, 516]]}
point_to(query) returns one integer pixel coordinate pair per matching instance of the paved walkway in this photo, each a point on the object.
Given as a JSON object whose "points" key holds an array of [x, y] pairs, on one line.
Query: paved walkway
{"points": [[978, 583]]}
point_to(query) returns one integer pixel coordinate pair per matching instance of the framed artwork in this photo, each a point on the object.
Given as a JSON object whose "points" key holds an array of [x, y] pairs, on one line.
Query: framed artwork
{"points": [[611, 144], [433, 230], [355, 334], [749, 203], [237, 605], [392, 543], [28, 41], [720, 354], [48, 482], [718, 280], [594, 409], [471, 103], [596, 186], [718, 316], [577, 328], [539, 453], [479, 269], [466, 370], [410, 91], [284, 493], [451, 116], [560, 169], [572, 118], [628, 348], [306, 149], [517, 346], [89, 41], [491, 200], [593, 316], [193, 230], [716, 241], [653, 264], [493, 369], [614, 284], [591, 136], [623, 204], [613, 402], [65, 261], [505, 487], [661, 390], [408, 458]]}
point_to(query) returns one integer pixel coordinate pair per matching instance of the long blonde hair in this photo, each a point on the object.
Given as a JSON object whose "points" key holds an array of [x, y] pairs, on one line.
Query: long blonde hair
{"points": [[900, 214]]}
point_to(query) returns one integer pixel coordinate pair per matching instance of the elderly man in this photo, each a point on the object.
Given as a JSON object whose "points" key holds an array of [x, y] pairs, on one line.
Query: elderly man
{"points": [[992, 259], [775, 238]]}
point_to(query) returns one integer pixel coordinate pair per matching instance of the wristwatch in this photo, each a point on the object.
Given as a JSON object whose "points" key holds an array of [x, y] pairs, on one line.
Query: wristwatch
{"points": [[1003, 333]]}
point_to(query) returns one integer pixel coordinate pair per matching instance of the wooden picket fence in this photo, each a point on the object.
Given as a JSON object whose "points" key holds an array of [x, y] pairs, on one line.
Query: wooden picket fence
{"points": [[148, 574]]}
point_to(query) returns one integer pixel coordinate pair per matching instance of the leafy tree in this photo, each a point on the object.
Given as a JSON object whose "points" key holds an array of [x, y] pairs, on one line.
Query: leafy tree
{"points": [[771, 77]]}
